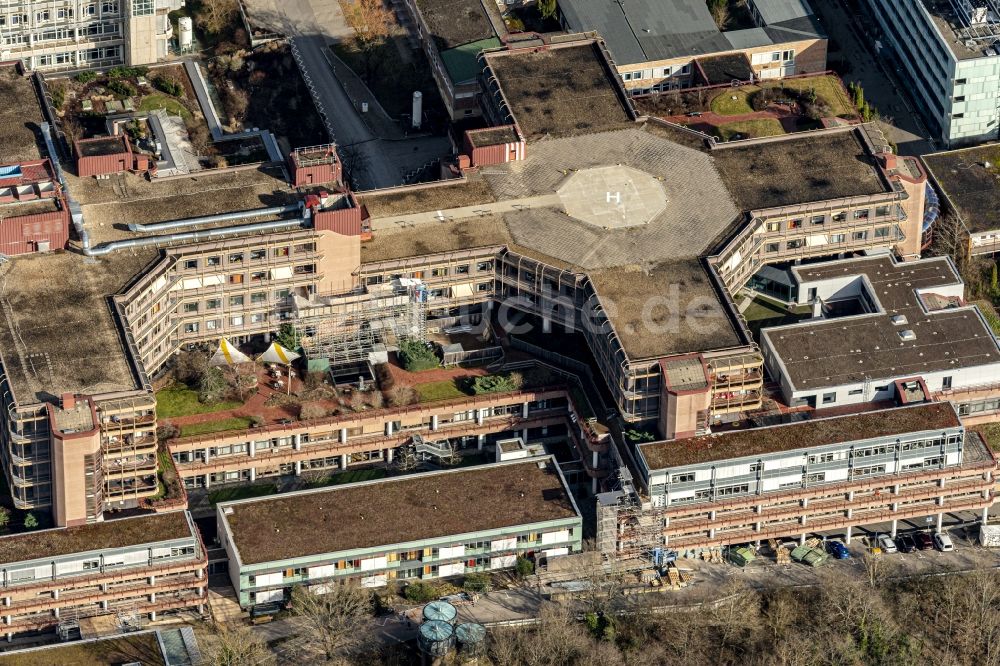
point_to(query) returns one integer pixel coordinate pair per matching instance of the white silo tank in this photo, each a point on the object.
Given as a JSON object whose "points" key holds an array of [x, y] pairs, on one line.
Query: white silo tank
{"points": [[418, 108], [185, 33]]}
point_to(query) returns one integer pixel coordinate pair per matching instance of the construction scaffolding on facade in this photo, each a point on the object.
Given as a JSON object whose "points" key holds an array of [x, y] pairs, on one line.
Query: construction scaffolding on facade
{"points": [[629, 537], [346, 330]]}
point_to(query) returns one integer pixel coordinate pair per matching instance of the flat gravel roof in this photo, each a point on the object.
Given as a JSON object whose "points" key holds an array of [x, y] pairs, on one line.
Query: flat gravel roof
{"points": [[397, 510]]}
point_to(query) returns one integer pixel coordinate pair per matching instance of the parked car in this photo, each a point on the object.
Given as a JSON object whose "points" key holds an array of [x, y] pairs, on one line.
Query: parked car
{"points": [[943, 542], [886, 544], [924, 541], [905, 543], [838, 550]]}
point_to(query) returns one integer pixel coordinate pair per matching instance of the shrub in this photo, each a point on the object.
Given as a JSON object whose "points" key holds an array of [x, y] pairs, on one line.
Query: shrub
{"points": [[524, 566], [30, 522], [169, 86], [167, 431], [85, 77], [421, 593], [257, 421], [314, 380], [117, 73], [374, 399], [122, 88], [638, 436], [311, 410], [58, 96], [383, 375], [477, 582], [497, 383], [415, 356], [4, 516], [400, 396]]}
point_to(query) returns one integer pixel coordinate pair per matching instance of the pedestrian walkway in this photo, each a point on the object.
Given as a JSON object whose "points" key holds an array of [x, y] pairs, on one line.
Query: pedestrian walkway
{"points": [[506, 206]]}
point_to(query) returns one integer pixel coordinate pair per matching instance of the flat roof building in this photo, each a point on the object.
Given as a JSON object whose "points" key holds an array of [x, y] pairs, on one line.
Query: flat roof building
{"points": [[432, 525], [156, 647], [968, 180], [879, 321], [946, 52], [659, 45], [150, 564], [814, 475]]}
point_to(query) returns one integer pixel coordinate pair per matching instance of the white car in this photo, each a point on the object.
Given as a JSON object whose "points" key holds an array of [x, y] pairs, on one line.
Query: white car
{"points": [[886, 543], [943, 542]]}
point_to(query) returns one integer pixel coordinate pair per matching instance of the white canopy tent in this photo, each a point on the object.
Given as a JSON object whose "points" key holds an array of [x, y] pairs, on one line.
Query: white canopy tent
{"points": [[228, 354]]}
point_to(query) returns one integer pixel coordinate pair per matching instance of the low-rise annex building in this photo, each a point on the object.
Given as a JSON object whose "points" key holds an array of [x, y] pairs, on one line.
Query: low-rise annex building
{"points": [[147, 565], [432, 525], [879, 326], [154, 647], [789, 480]]}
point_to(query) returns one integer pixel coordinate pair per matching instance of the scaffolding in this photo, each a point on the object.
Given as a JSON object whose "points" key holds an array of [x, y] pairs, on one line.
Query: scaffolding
{"points": [[629, 536], [345, 330]]}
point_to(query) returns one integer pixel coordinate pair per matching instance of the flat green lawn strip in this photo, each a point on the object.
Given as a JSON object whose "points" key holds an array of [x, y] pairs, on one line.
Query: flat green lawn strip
{"points": [[222, 425], [444, 390], [989, 314], [751, 129], [179, 400], [171, 105], [724, 104], [350, 476], [242, 492]]}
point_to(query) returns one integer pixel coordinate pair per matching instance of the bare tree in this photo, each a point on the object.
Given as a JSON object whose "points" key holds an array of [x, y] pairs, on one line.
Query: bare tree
{"points": [[877, 568], [950, 239], [720, 12], [237, 645], [406, 459], [335, 623], [372, 23], [215, 15]]}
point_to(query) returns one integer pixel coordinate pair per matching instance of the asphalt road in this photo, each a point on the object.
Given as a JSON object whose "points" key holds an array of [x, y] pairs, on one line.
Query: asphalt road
{"points": [[849, 42], [312, 25]]}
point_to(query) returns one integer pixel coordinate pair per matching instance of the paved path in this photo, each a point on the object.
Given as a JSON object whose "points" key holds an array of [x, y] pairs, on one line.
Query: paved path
{"points": [[312, 25], [462, 212], [881, 87]]}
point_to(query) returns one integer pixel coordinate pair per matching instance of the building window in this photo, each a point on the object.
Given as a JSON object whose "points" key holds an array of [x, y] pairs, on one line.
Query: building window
{"points": [[236, 321], [236, 301], [772, 247], [258, 254], [795, 244], [236, 258], [958, 115], [946, 383], [213, 304], [817, 220], [837, 238], [191, 264], [960, 82], [855, 392], [818, 477], [682, 478], [213, 261], [211, 324], [960, 98], [733, 490], [259, 297], [788, 56], [860, 235], [143, 7], [190, 307], [795, 224], [773, 226], [861, 214], [882, 232], [868, 471], [829, 398]]}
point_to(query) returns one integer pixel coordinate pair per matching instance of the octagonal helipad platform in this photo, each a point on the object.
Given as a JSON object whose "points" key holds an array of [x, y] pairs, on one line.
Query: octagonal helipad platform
{"points": [[613, 197]]}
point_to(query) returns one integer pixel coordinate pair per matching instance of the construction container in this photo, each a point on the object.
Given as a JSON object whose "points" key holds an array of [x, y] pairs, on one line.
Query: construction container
{"points": [[989, 536], [740, 556]]}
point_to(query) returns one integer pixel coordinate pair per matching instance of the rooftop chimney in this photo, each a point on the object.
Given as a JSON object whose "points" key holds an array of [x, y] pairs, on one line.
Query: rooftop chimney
{"points": [[68, 401]]}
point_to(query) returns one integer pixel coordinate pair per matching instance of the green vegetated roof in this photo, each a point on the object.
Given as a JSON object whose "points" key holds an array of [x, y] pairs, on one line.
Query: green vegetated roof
{"points": [[462, 61]]}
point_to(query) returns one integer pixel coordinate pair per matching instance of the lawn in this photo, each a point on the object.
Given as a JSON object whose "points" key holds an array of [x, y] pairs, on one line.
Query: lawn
{"points": [[764, 314], [231, 423], [242, 492], [171, 105], [444, 390], [989, 314], [747, 129], [827, 88], [179, 400], [724, 104], [350, 476]]}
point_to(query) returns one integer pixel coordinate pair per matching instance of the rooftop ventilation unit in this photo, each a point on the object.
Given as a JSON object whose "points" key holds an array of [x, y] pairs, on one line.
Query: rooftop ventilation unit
{"points": [[898, 320], [907, 335]]}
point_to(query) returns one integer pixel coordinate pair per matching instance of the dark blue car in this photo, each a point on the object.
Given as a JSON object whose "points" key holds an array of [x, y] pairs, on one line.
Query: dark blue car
{"points": [[838, 550]]}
